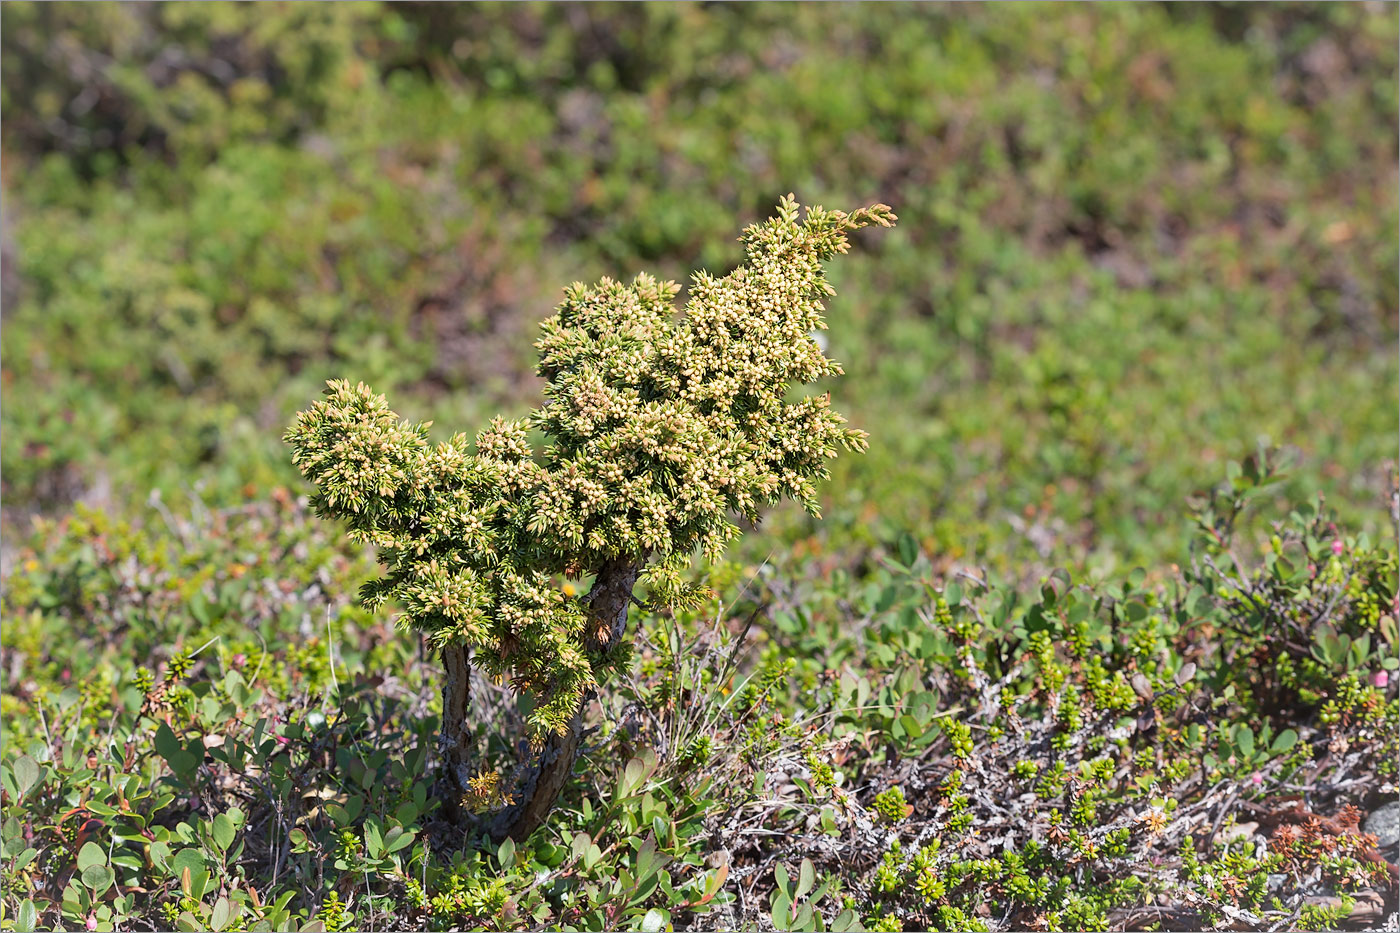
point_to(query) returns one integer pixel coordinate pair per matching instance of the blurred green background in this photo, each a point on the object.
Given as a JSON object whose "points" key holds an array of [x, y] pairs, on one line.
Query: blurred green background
{"points": [[1133, 240]]}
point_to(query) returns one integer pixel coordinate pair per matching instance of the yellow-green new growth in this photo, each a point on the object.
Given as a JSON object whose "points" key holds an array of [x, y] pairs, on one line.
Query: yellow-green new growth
{"points": [[663, 428]]}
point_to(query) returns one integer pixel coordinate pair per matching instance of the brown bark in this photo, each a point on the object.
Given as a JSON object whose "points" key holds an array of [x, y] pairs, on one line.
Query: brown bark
{"points": [[539, 784], [456, 739]]}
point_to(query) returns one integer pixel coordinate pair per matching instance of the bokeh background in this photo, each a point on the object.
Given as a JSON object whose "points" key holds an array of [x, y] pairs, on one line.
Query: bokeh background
{"points": [[1134, 240]]}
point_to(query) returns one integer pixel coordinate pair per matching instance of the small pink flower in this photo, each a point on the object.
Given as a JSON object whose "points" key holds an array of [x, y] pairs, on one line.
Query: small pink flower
{"points": [[1231, 761], [1380, 679], [1256, 778], [1337, 546], [92, 921]]}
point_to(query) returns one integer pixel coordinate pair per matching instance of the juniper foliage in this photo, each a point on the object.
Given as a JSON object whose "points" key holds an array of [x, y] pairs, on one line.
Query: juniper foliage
{"points": [[662, 428]]}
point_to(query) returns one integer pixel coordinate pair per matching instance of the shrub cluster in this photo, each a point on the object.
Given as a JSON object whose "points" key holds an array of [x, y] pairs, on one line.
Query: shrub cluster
{"points": [[964, 755]]}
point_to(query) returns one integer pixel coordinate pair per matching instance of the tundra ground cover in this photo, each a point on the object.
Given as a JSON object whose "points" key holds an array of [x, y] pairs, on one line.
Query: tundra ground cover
{"points": [[1030, 638]]}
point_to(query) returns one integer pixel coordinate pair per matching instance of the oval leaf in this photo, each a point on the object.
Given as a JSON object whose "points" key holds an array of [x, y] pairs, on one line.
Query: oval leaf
{"points": [[908, 549], [806, 877], [99, 878], [27, 918], [91, 854], [223, 831], [27, 773], [506, 854], [221, 914]]}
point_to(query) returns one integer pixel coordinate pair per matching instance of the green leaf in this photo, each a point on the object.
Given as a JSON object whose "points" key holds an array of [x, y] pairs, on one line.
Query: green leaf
{"points": [[631, 778], [27, 918], [1390, 632], [134, 862], [846, 922], [27, 773], [222, 913], [782, 911], [68, 696], [1244, 737], [806, 877], [224, 831], [1360, 649], [654, 920], [648, 861], [399, 839], [1284, 742], [191, 859], [91, 854], [715, 880], [505, 854], [907, 549], [406, 813], [199, 884], [169, 748], [780, 878], [99, 878], [374, 842], [166, 743]]}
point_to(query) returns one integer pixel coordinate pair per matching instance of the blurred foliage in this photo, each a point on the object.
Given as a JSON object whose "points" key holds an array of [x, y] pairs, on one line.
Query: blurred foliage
{"points": [[188, 79], [1136, 238]]}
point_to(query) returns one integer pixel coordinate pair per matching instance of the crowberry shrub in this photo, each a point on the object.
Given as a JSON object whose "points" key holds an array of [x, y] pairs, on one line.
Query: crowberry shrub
{"points": [[662, 429]]}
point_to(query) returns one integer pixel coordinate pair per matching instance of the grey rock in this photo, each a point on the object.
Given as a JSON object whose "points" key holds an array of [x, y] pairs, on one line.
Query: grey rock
{"points": [[1385, 823]]}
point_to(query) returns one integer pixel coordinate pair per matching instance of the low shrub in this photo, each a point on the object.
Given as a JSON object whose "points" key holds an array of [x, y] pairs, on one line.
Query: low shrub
{"points": [[661, 431], [968, 755]]}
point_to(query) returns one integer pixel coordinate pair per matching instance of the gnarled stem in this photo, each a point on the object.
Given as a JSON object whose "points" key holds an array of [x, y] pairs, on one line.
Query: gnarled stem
{"points": [[456, 740], [540, 782]]}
